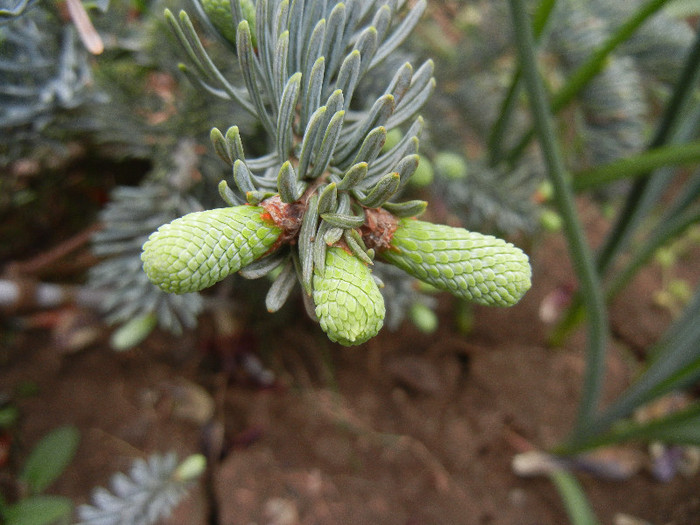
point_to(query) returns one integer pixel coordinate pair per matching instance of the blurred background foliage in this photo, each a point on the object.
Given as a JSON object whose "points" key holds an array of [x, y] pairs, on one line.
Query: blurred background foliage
{"points": [[622, 85]]}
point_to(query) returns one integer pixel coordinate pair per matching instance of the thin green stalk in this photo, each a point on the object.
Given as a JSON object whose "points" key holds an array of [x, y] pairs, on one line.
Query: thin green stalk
{"points": [[666, 231], [632, 211], [644, 192], [637, 165], [578, 248], [589, 69], [504, 117], [539, 21], [669, 227], [577, 505], [686, 197], [665, 426], [675, 366]]}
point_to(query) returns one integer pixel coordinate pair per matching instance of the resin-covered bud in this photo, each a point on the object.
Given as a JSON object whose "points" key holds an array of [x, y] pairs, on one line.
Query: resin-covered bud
{"points": [[348, 303], [470, 265], [202, 248]]}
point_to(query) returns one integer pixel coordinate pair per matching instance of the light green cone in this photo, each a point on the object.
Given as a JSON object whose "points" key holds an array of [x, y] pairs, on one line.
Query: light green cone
{"points": [[219, 13], [200, 249], [348, 303], [470, 265]]}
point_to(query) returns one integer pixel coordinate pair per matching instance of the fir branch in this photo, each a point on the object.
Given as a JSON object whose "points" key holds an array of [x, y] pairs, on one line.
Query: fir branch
{"points": [[130, 217], [312, 194], [149, 493]]}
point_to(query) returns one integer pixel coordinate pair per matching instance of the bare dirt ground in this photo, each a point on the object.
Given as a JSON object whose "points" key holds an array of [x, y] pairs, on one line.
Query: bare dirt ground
{"points": [[406, 429]]}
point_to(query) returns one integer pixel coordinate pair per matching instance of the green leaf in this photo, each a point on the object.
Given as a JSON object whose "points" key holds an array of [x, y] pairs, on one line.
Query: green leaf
{"points": [[344, 220], [226, 194], [638, 165], [422, 86], [219, 142], [39, 510], [377, 116], [312, 91], [408, 166], [353, 176], [675, 365], [330, 140], [678, 428], [400, 33], [287, 183], [242, 177], [387, 186], [406, 209], [357, 246], [306, 237], [371, 146], [682, 428], [577, 506], [328, 199], [313, 129], [8, 416], [133, 332], [234, 144], [285, 117], [281, 288], [50, 457]]}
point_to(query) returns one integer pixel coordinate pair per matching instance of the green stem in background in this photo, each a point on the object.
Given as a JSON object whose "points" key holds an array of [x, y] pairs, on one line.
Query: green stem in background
{"points": [[577, 506], [638, 201], [674, 366], [681, 427], [539, 21], [578, 248], [645, 192], [666, 231], [661, 235], [637, 165], [594, 65]]}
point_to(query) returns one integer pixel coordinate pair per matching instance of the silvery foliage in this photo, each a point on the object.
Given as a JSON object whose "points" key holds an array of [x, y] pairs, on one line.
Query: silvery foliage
{"points": [[150, 492], [494, 197], [611, 114], [127, 221], [301, 83], [44, 75], [658, 47], [613, 107], [11, 9], [183, 176]]}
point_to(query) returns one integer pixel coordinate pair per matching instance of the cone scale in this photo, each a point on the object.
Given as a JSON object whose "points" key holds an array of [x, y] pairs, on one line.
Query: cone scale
{"points": [[476, 267], [348, 303], [202, 248]]}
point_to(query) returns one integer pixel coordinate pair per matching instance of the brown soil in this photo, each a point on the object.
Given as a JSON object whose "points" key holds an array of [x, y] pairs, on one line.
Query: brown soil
{"points": [[406, 429]]}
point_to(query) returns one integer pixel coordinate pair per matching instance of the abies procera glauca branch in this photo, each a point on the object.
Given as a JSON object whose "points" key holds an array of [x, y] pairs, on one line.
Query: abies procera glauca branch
{"points": [[318, 208]]}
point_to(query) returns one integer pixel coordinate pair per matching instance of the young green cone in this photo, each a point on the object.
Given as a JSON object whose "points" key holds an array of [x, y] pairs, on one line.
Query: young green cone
{"points": [[470, 265], [200, 249], [348, 303]]}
